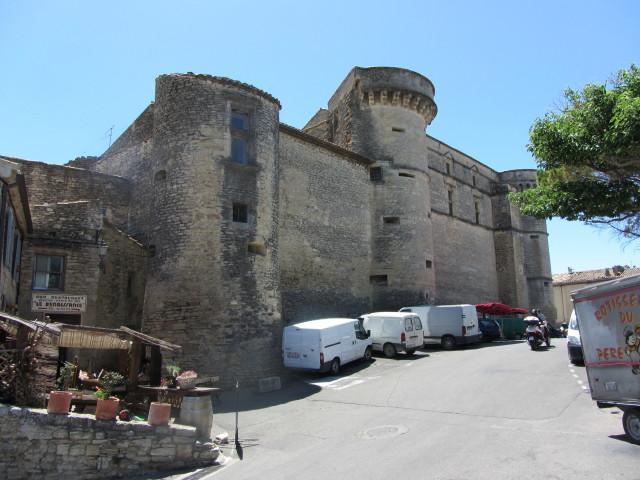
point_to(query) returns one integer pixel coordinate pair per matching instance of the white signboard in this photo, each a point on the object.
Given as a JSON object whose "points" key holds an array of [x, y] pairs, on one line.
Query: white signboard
{"points": [[58, 303]]}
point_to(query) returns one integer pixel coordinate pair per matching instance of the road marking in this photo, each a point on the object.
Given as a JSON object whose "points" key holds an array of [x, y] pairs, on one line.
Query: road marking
{"points": [[340, 383], [576, 376], [408, 364]]}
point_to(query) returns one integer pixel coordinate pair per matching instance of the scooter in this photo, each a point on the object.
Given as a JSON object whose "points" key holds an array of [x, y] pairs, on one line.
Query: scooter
{"points": [[535, 334]]}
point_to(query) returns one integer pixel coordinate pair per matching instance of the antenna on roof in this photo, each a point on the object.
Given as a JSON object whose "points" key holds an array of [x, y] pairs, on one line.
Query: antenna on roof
{"points": [[110, 132]]}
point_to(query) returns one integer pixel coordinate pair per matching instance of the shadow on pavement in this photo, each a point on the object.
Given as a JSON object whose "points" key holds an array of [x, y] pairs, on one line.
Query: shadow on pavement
{"points": [[623, 438], [250, 399]]}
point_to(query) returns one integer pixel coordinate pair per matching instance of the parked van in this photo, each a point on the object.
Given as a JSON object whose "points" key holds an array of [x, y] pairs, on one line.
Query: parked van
{"points": [[393, 332], [324, 345], [448, 325]]}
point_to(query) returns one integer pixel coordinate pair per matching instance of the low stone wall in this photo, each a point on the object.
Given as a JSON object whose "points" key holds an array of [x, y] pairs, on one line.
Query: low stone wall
{"points": [[34, 444]]}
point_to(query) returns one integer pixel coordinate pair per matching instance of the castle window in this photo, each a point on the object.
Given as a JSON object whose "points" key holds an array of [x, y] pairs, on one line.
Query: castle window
{"points": [[240, 137], [240, 213], [397, 129], [375, 174], [450, 201], [161, 176], [534, 236], [407, 175], [448, 167], [379, 280], [428, 264], [48, 272], [239, 151], [473, 180], [130, 276], [546, 284], [476, 205], [239, 121], [391, 220]]}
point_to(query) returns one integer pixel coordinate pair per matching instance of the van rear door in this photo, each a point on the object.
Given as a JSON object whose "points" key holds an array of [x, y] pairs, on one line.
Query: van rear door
{"points": [[301, 348], [414, 337], [470, 326]]}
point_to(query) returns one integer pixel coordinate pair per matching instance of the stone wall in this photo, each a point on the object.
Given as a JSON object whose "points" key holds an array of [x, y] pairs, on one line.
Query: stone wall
{"points": [[129, 157], [59, 184], [212, 280], [34, 444], [324, 230]]}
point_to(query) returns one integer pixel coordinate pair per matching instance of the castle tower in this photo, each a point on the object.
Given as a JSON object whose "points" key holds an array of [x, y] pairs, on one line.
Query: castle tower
{"points": [[382, 113], [212, 282], [522, 248]]}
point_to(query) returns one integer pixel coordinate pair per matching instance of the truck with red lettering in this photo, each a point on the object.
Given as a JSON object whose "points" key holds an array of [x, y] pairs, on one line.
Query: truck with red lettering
{"points": [[609, 320]]}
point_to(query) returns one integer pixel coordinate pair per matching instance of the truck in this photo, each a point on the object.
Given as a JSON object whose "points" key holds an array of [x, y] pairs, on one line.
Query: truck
{"points": [[393, 332], [324, 345], [609, 319], [448, 325]]}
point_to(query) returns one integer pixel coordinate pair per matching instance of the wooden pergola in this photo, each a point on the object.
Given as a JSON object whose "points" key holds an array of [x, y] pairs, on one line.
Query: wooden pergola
{"points": [[97, 338]]}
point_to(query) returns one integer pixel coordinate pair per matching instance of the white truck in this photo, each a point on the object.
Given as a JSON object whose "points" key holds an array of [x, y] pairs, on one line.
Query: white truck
{"points": [[448, 325], [325, 345], [393, 332], [609, 319]]}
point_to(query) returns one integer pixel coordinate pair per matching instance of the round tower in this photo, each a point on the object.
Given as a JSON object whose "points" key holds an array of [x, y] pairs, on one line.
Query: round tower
{"points": [[532, 252], [212, 280], [382, 113]]}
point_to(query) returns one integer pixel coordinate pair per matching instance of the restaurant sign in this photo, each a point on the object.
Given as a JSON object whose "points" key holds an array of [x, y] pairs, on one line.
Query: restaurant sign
{"points": [[58, 303]]}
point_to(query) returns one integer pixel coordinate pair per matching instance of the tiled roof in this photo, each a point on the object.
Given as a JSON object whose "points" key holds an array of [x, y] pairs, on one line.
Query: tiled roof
{"points": [[590, 276]]}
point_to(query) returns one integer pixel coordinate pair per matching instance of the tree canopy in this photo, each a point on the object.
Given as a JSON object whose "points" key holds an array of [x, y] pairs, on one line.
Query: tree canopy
{"points": [[588, 156]]}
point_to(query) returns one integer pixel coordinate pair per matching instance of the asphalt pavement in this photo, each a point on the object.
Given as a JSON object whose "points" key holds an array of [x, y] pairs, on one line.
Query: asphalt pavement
{"points": [[494, 411]]}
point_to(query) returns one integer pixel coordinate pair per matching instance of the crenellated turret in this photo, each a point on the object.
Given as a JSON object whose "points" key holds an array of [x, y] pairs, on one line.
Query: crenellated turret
{"points": [[382, 113]]}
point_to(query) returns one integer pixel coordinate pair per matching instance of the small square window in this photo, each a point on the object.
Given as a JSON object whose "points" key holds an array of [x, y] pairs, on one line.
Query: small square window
{"points": [[48, 272], [391, 220], [375, 174], [239, 151], [240, 213], [380, 280], [429, 264], [239, 121]]}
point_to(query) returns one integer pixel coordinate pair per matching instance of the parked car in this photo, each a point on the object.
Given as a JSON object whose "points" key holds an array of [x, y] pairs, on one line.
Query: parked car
{"points": [[325, 345], [448, 325], [393, 332], [574, 344], [490, 329]]}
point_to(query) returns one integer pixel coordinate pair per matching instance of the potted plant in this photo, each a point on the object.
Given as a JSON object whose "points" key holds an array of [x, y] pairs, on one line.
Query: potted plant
{"points": [[107, 405], [187, 379], [60, 400], [170, 380]]}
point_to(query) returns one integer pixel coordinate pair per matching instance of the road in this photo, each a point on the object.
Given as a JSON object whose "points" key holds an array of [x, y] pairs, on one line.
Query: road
{"points": [[490, 412]]}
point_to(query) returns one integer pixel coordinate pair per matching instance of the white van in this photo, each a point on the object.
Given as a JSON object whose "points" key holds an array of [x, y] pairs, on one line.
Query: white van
{"points": [[324, 345], [393, 332], [448, 325]]}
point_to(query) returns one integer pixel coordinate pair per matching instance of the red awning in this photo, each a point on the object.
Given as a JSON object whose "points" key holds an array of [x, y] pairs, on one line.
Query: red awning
{"points": [[499, 309]]}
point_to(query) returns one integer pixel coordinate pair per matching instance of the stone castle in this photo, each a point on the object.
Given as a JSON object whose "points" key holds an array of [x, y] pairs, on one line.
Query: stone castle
{"points": [[210, 224]]}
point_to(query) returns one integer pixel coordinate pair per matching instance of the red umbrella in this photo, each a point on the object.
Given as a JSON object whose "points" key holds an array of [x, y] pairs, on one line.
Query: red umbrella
{"points": [[499, 309]]}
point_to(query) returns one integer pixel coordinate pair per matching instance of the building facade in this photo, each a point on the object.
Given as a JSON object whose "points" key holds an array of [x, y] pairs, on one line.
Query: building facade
{"points": [[236, 224]]}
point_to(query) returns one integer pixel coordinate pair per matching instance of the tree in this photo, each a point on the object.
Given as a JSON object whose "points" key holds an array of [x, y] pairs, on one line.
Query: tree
{"points": [[588, 156]]}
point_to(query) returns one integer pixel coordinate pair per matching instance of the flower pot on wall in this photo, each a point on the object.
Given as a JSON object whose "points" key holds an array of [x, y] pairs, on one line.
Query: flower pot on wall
{"points": [[159, 414], [59, 402], [107, 409]]}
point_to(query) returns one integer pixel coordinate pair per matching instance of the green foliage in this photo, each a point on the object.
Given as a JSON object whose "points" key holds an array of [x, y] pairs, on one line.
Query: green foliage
{"points": [[66, 380], [108, 382], [588, 156], [173, 369]]}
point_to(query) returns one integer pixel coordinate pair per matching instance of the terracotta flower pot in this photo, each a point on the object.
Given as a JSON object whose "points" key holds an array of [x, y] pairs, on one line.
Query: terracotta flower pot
{"points": [[159, 414], [107, 409], [59, 402]]}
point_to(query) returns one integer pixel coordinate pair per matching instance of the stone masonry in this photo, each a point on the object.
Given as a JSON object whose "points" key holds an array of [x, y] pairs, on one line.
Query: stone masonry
{"points": [[359, 211], [34, 444]]}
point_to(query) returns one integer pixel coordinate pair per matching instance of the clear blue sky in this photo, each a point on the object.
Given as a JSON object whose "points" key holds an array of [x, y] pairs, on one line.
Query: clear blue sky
{"points": [[70, 70]]}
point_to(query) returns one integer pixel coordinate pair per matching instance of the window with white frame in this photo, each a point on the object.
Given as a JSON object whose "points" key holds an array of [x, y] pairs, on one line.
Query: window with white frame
{"points": [[48, 273]]}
